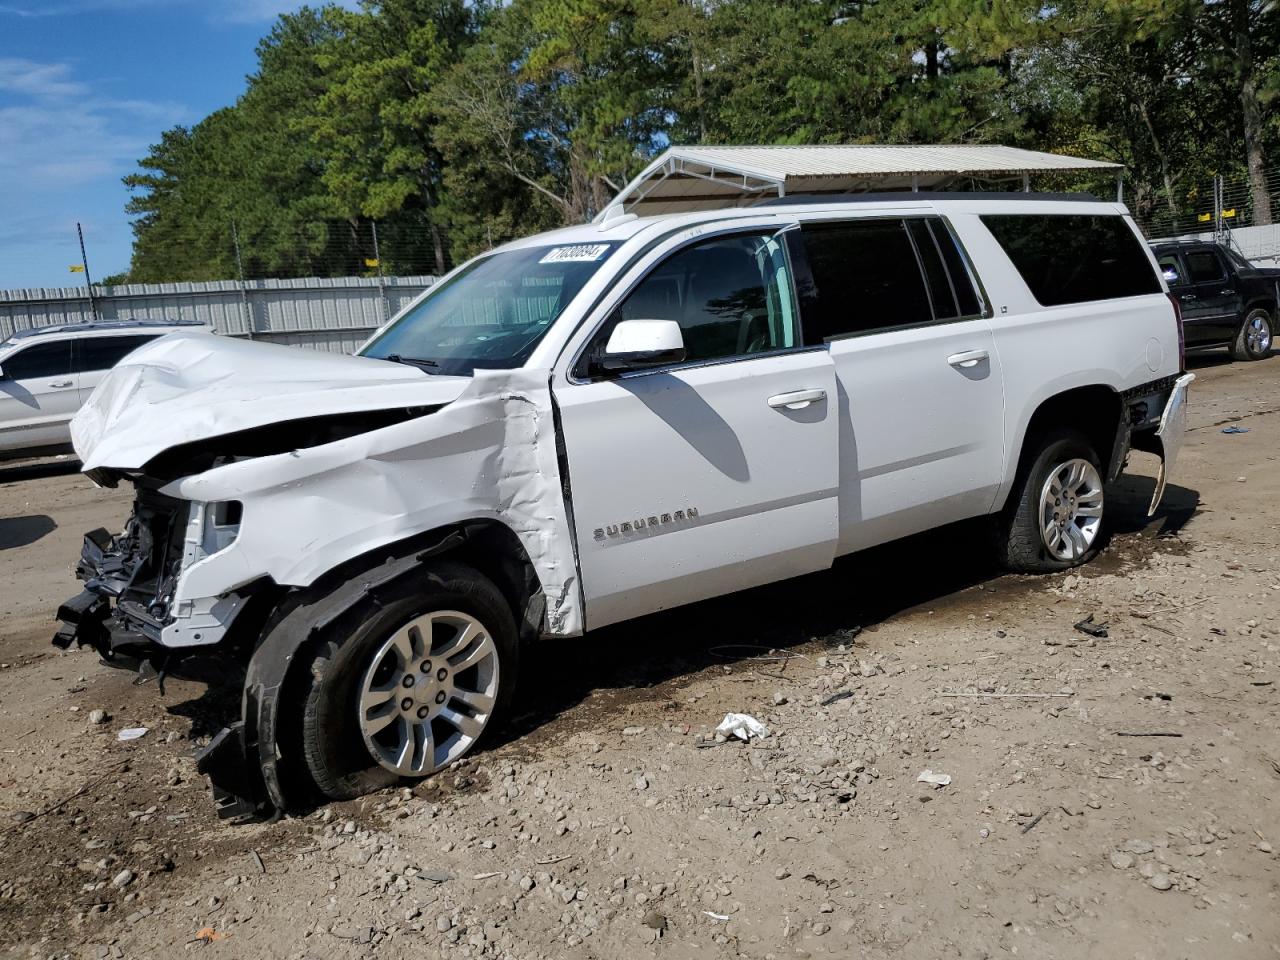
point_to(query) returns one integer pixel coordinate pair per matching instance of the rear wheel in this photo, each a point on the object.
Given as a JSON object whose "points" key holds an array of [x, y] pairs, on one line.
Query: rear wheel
{"points": [[1055, 516], [407, 683], [1253, 340]]}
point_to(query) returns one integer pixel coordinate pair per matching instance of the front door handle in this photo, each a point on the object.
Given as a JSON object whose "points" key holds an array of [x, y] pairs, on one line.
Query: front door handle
{"points": [[970, 358], [60, 383], [1187, 296], [796, 399], [1226, 293]]}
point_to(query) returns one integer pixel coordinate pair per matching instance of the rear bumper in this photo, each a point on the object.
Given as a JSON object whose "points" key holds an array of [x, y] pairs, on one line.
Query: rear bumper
{"points": [[1170, 434]]}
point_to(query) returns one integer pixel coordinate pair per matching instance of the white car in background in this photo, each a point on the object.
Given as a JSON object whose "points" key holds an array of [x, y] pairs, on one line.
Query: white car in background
{"points": [[46, 373]]}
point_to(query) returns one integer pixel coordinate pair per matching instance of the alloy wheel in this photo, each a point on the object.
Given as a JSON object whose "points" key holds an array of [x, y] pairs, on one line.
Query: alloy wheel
{"points": [[1071, 509]]}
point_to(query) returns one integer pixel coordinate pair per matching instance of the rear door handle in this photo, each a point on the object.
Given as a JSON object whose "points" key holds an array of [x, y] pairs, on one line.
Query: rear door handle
{"points": [[1187, 296], [969, 358], [61, 383], [796, 399], [1227, 292]]}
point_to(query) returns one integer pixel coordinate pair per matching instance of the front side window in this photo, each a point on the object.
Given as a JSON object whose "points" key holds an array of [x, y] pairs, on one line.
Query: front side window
{"points": [[1171, 269], [492, 313], [1203, 266], [39, 361], [1070, 258], [732, 296], [103, 353]]}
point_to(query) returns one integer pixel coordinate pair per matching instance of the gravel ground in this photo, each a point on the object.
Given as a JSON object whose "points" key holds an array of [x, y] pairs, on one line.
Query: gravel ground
{"points": [[1109, 796]]}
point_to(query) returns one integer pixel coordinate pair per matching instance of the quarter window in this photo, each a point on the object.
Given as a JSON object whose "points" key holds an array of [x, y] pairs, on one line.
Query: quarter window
{"points": [[103, 353], [40, 360], [732, 296], [1074, 259], [1203, 266], [1172, 270]]}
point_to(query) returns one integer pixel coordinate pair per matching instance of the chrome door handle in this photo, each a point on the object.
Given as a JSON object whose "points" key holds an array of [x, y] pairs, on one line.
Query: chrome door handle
{"points": [[796, 399], [970, 358], [1187, 296], [61, 383], [1226, 293]]}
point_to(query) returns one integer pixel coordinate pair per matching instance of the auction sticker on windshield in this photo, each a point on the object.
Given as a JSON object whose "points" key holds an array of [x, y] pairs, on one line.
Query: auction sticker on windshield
{"points": [[581, 253]]}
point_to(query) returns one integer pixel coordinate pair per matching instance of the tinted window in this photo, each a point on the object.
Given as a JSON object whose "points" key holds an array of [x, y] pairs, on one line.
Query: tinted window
{"points": [[865, 277], [1203, 266], [103, 353], [966, 295], [40, 360], [1074, 259], [1239, 261], [731, 296], [1172, 269]]}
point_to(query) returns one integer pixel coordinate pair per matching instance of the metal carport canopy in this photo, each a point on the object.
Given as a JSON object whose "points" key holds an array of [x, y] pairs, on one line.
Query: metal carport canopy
{"points": [[704, 178]]}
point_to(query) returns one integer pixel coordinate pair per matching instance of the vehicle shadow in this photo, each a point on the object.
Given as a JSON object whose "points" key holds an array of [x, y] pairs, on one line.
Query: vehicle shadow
{"points": [[860, 591], [38, 470], [22, 531]]}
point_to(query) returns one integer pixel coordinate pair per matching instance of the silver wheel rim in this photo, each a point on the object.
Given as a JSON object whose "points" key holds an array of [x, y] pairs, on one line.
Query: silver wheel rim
{"points": [[1258, 335], [428, 692], [1071, 509]]}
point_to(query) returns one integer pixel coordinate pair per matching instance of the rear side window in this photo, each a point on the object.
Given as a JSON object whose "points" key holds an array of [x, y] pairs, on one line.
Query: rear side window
{"points": [[1203, 266], [103, 353], [950, 288], [39, 360], [1074, 259], [865, 277]]}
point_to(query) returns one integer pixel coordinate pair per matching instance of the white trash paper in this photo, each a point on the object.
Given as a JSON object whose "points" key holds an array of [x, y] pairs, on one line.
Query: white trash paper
{"points": [[743, 726], [937, 779], [131, 733]]}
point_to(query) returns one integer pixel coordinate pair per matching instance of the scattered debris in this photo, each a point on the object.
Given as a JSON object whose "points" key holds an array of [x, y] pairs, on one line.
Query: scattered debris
{"points": [[131, 733], [743, 726], [487, 876], [1234, 429], [1008, 696], [1088, 626], [545, 861], [937, 779], [1158, 733], [207, 935], [257, 859], [722, 917], [1031, 826]]}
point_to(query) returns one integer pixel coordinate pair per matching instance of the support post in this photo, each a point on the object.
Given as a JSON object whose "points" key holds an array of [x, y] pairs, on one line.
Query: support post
{"points": [[88, 282], [382, 280], [246, 314], [1026, 182], [1119, 186]]}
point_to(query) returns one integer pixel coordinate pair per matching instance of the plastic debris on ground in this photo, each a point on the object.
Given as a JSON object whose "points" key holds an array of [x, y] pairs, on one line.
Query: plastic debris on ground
{"points": [[1092, 629], [743, 726], [937, 779], [131, 733], [1235, 429]]}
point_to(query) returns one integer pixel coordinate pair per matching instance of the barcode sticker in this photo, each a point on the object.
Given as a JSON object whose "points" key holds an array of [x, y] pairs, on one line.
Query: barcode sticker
{"points": [[582, 253]]}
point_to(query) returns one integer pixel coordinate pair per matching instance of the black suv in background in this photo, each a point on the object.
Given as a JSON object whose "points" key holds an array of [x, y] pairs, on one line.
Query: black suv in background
{"points": [[1226, 301]]}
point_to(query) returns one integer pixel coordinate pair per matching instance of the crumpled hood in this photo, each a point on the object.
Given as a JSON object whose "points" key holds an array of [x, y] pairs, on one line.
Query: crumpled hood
{"points": [[192, 386]]}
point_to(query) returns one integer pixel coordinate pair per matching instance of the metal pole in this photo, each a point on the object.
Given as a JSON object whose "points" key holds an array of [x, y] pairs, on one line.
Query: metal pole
{"points": [[382, 283], [246, 314], [1026, 182], [1120, 186], [88, 283]]}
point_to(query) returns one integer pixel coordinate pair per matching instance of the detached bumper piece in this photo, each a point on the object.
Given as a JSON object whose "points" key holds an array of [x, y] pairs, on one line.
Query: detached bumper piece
{"points": [[238, 789]]}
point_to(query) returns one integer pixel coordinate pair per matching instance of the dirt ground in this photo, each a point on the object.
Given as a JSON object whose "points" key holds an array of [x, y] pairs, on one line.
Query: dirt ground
{"points": [[1113, 796]]}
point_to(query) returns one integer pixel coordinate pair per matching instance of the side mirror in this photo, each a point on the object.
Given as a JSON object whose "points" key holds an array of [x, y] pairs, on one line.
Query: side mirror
{"points": [[637, 344]]}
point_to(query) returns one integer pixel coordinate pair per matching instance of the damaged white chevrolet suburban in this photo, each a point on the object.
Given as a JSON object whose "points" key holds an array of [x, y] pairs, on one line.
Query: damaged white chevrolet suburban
{"points": [[594, 424]]}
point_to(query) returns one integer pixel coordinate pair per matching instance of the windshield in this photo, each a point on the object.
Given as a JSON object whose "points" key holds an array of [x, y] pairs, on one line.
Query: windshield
{"points": [[493, 312]]}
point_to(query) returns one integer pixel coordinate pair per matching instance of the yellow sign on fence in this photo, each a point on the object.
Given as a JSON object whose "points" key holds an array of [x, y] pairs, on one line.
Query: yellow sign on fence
{"points": [[370, 262], [76, 268]]}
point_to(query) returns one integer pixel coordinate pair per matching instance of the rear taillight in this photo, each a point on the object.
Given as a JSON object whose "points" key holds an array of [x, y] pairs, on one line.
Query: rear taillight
{"points": [[1182, 337]]}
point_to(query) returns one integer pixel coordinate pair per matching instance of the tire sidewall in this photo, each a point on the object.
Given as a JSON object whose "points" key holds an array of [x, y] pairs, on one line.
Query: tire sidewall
{"points": [[1023, 527], [337, 758], [1244, 333]]}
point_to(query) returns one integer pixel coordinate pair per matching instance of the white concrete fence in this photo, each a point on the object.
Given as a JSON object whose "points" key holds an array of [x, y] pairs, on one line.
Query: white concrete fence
{"points": [[333, 314]]}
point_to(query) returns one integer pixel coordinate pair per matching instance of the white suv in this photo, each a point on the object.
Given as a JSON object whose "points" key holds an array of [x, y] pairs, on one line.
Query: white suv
{"points": [[598, 423], [46, 373]]}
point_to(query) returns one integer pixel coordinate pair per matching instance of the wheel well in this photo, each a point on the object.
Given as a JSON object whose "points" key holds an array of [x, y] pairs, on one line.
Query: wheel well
{"points": [[1265, 302], [1093, 410]]}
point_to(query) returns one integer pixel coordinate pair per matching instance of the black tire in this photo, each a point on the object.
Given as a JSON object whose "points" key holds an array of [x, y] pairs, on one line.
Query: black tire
{"points": [[332, 666], [1244, 347], [1019, 544]]}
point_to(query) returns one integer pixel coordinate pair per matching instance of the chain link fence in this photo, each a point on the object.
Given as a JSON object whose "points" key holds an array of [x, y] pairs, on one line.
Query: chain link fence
{"points": [[1222, 209]]}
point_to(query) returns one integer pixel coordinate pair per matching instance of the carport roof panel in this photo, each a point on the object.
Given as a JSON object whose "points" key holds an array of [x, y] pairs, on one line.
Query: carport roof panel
{"points": [[695, 178]]}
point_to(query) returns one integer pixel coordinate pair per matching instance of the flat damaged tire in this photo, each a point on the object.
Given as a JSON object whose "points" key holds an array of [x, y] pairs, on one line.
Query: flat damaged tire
{"points": [[1054, 519], [405, 682]]}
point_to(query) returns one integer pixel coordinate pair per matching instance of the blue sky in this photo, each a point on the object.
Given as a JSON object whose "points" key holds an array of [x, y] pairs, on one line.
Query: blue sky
{"points": [[85, 87]]}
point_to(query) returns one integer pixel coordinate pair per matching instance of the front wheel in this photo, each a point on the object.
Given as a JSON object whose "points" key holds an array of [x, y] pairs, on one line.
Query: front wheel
{"points": [[1253, 340], [405, 684], [1055, 514]]}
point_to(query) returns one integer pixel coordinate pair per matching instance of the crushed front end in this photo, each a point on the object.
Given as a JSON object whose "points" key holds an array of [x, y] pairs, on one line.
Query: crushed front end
{"points": [[128, 610]]}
